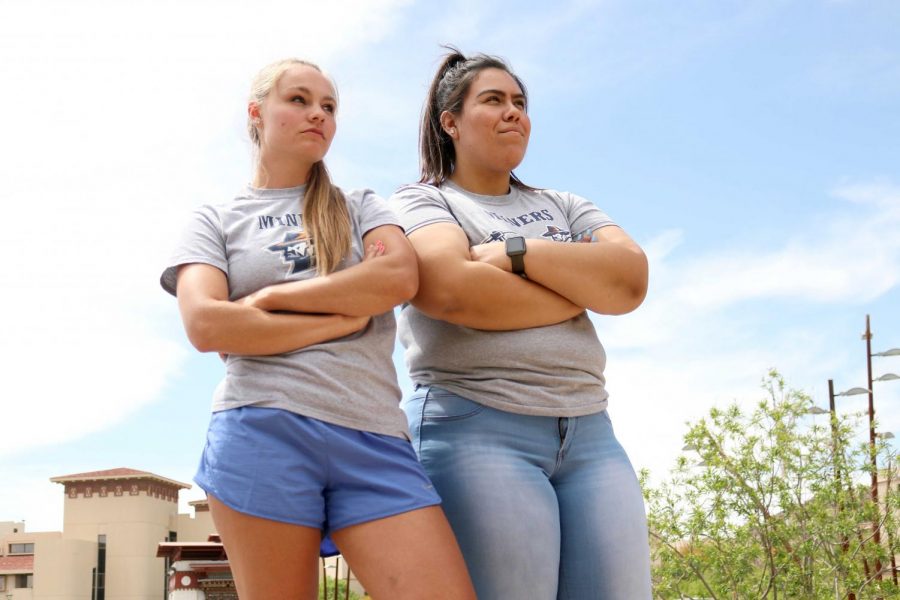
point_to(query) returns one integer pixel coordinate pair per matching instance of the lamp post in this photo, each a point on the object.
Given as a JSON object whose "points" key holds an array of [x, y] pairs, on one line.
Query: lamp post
{"points": [[873, 453], [867, 336], [856, 391]]}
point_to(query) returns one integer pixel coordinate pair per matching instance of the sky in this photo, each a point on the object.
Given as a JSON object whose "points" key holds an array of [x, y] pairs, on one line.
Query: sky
{"points": [[751, 148]]}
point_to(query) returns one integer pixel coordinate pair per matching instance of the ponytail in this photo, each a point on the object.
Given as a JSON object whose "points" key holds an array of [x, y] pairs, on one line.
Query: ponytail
{"points": [[438, 156], [326, 220]]}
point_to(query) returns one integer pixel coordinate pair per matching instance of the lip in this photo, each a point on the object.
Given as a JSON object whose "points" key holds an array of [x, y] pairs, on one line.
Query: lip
{"points": [[519, 131], [318, 132]]}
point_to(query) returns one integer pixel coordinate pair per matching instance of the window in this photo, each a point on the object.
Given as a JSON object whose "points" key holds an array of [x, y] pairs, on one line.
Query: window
{"points": [[99, 591], [24, 581], [172, 537], [21, 548]]}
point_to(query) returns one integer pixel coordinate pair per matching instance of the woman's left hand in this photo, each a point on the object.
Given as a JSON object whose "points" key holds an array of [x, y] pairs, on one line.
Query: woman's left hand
{"points": [[492, 253]]}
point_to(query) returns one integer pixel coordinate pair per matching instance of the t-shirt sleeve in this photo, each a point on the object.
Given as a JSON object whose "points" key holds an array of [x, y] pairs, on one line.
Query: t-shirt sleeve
{"points": [[419, 205], [371, 211], [202, 241], [583, 216]]}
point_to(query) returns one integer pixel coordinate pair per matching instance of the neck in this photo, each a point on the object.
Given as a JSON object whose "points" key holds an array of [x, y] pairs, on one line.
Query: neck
{"points": [[278, 173], [481, 181]]}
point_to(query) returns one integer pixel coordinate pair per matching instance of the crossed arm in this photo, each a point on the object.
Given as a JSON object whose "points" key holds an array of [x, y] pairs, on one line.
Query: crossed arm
{"points": [[476, 288], [320, 309]]}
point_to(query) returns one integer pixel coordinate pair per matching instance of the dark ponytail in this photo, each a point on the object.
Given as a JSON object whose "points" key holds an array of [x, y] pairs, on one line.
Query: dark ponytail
{"points": [[447, 92]]}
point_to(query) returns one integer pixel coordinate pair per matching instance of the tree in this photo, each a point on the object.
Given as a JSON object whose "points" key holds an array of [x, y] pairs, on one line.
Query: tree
{"points": [[767, 505]]}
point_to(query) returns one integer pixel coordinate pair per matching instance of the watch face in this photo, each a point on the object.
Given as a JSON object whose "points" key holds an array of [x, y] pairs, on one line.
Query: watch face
{"points": [[515, 245]]}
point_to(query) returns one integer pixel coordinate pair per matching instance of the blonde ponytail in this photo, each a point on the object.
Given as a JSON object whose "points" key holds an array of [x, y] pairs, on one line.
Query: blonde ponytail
{"points": [[326, 220]]}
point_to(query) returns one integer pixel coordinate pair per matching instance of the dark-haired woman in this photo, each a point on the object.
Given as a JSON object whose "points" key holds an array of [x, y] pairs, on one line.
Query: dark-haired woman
{"points": [[295, 281], [509, 414]]}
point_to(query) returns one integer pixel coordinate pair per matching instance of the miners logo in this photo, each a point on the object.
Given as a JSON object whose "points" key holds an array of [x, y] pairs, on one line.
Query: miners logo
{"points": [[295, 250]]}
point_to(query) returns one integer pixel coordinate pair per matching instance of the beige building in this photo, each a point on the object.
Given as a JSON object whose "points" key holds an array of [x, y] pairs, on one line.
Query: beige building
{"points": [[123, 539], [113, 522]]}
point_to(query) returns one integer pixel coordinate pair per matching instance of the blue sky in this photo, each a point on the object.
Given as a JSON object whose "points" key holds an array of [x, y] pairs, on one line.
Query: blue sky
{"points": [[752, 148]]}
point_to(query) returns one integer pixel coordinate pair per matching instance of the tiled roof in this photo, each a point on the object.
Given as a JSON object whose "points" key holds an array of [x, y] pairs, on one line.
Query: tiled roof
{"points": [[191, 551], [120, 473], [10, 565]]}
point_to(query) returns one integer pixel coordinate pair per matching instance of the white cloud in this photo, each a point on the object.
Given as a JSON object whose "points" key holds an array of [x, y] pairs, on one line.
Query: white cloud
{"points": [[853, 257], [882, 194], [122, 118], [693, 345]]}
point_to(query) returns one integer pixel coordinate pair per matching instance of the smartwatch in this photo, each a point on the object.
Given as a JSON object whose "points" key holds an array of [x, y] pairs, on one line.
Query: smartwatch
{"points": [[515, 250]]}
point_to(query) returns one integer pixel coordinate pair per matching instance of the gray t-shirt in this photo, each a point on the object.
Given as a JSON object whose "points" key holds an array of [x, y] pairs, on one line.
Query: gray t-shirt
{"points": [[555, 370], [256, 241]]}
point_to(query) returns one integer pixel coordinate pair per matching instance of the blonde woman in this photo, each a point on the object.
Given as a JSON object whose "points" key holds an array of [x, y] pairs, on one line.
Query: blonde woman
{"points": [[294, 281]]}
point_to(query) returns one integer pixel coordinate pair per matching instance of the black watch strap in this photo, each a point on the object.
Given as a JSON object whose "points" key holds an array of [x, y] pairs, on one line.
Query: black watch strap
{"points": [[518, 264]]}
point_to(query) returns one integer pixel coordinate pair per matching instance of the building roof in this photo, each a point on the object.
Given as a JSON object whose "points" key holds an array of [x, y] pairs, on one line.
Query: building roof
{"points": [[203, 551], [120, 473], [15, 565]]}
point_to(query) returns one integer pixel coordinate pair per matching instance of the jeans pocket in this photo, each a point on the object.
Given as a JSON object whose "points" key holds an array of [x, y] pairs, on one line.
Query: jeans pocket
{"points": [[441, 405]]}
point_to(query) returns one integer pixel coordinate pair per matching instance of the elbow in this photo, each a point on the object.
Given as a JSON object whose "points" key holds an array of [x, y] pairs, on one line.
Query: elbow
{"points": [[633, 297], [398, 285], [440, 304], [634, 289], [626, 294], [406, 283], [399, 278], [201, 333]]}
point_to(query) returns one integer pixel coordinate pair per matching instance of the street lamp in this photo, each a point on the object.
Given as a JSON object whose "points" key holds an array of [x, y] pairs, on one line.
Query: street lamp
{"points": [[845, 543], [854, 391], [867, 336]]}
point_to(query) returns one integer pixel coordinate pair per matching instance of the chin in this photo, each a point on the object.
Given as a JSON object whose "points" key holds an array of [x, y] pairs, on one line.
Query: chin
{"points": [[510, 161]]}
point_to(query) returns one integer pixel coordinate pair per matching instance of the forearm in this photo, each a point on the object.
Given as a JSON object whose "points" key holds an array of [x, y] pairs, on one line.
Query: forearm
{"points": [[481, 296], [601, 276], [231, 328], [369, 288]]}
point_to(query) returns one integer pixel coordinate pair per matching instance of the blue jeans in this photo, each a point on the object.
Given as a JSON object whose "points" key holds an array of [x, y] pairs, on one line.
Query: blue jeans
{"points": [[544, 508]]}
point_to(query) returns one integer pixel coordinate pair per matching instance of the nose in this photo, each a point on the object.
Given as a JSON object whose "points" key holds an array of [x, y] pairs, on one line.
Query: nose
{"points": [[513, 113], [317, 114]]}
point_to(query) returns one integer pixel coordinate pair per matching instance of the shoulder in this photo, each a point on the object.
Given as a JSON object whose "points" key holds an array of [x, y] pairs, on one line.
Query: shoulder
{"points": [[210, 214], [369, 209], [564, 199], [413, 191], [549, 194], [416, 197], [359, 197]]}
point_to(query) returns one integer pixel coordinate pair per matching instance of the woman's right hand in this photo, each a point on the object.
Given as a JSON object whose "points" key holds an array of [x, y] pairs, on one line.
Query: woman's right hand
{"points": [[374, 250]]}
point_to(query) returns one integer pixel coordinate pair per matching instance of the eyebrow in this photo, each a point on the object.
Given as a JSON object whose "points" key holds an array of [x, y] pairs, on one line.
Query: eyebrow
{"points": [[308, 91], [502, 93]]}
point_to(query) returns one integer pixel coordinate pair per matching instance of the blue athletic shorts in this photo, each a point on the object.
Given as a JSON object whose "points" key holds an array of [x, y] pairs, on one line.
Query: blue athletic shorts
{"points": [[279, 465]]}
